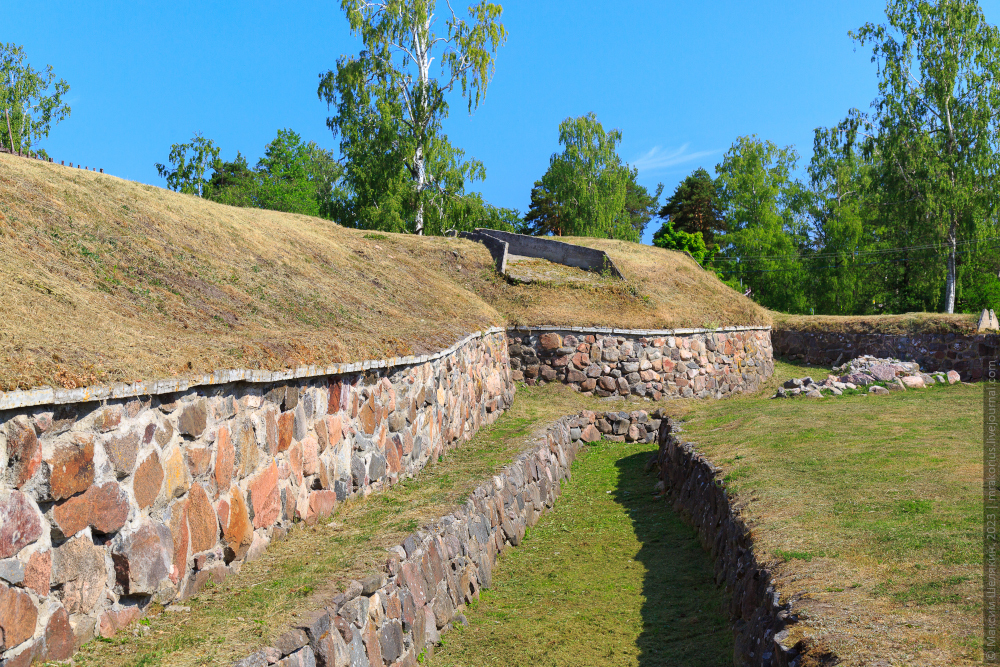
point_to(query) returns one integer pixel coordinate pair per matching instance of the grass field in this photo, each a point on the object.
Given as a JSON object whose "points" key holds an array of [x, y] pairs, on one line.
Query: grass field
{"points": [[610, 576], [871, 506]]}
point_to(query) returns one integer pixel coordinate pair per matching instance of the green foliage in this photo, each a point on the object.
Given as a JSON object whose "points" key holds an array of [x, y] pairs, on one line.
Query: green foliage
{"points": [[294, 176], [31, 101], [763, 208], [671, 238], [400, 169], [935, 127], [588, 190], [694, 207], [188, 173]]}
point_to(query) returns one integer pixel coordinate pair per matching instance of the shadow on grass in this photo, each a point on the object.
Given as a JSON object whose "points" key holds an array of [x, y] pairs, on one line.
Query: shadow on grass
{"points": [[684, 621]]}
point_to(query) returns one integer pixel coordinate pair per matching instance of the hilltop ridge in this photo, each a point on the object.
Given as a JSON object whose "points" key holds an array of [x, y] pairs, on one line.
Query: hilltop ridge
{"points": [[108, 280]]}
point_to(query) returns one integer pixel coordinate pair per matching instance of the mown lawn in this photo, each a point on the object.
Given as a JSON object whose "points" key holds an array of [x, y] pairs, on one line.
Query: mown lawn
{"points": [[872, 506], [610, 576]]}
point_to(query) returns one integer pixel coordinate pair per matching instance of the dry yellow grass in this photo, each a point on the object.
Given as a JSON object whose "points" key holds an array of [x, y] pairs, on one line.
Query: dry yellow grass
{"points": [[107, 280], [663, 289], [907, 323]]}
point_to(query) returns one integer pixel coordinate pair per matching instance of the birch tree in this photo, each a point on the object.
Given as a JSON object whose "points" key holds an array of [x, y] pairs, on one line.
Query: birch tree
{"points": [[935, 122], [395, 93], [30, 100]]}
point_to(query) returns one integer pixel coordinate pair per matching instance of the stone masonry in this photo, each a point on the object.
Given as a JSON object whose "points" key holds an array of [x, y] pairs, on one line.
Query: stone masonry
{"points": [[106, 507], [693, 363], [968, 354], [390, 619]]}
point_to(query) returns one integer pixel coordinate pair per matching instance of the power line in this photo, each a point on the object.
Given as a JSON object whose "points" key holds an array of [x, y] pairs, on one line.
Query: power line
{"points": [[833, 266], [854, 253]]}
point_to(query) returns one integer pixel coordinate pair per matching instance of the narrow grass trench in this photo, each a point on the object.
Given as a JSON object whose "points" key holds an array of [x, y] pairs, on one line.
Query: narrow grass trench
{"points": [[610, 576]]}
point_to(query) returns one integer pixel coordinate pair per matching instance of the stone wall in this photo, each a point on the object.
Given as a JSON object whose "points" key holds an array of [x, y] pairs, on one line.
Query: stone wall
{"points": [[681, 363], [105, 507], [391, 619], [759, 618], [968, 354]]}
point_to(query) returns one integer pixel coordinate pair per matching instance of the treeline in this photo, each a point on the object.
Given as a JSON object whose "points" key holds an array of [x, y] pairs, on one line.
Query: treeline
{"points": [[895, 211], [899, 210]]}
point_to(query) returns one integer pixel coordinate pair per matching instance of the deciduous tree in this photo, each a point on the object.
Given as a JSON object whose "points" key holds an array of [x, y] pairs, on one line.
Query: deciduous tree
{"points": [[935, 122], [390, 103], [694, 208], [30, 99], [188, 172]]}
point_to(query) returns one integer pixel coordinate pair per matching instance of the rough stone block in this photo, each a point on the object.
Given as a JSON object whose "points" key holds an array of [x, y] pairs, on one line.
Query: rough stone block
{"points": [[17, 617], [175, 474], [321, 505], [20, 523], [12, 570], [38, 572], [238, 534], [78, 566], [147, 481], [103, 507], [72, 467], [264, 497], [59, 638], [23, 451], [193, 419], [202, 520], [114, 620], [142, 558], [121, 451], [286, 429]]}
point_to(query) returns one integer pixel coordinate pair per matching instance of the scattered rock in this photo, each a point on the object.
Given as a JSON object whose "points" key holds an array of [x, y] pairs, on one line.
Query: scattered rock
{"points": [[876, 389]]}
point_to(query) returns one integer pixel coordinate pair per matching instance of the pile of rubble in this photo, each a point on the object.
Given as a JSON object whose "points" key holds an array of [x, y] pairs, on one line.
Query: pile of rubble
{"points": [[880, 376]]}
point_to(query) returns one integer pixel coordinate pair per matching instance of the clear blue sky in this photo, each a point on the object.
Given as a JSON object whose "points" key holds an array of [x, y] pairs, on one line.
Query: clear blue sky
{"points": [[681, 79]]}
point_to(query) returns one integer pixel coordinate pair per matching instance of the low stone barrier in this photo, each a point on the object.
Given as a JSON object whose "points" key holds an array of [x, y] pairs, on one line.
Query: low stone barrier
{"points": [[759, 618], [968, 354], [106, 507], [680, 363], [391, 619]]}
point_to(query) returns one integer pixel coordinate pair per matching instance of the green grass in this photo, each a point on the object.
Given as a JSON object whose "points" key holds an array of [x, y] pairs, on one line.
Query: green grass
{"points": [[610, 576], [870, 504]]}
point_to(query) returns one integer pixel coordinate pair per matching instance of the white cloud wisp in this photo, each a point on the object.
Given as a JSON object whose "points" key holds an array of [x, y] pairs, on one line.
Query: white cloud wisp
{"points": [[656, 158]]}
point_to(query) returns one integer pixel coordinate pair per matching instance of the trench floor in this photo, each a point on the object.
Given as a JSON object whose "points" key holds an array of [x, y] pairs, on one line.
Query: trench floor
{"points": [[609, 576]]}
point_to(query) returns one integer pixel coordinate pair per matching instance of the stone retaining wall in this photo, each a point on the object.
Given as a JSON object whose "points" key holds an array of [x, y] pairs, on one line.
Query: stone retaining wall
{"points": [[681, 363], [759, 618], [105, 507], [391, 619], [967, 354]]}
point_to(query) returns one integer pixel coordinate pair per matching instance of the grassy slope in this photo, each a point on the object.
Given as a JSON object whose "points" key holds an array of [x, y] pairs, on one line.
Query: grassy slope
{"points": [[108, 280], [872, 506]]}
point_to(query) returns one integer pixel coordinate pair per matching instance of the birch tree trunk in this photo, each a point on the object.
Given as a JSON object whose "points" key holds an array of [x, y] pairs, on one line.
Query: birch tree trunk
{"points": [[950, 281]]}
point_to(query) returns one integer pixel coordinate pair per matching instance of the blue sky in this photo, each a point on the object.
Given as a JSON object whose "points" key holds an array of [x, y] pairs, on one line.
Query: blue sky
{"points": [[681, 80]]}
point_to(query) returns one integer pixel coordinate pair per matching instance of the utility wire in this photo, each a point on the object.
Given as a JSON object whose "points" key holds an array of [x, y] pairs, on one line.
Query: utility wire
{"points": [[855, 253], [832, 266]]}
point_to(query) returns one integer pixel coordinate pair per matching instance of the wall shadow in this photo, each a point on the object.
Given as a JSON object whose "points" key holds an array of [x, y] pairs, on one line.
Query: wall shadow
{"points": [[684, 618]]}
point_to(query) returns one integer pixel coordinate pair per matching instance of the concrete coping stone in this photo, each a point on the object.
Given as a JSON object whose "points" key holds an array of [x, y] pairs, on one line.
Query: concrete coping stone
{"points": [[48, 396], [636, 332]]}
